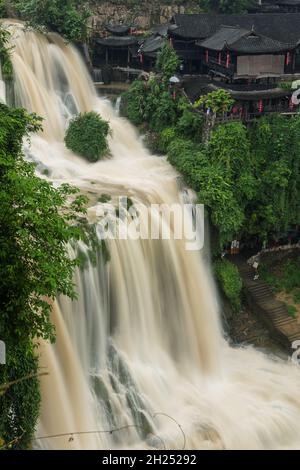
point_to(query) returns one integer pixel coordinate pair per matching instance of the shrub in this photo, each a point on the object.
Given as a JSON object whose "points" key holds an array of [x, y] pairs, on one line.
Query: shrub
{"points": [[166, 137], [292, 311], [37, 221], [231, 283], [167, 61], [218, 101], [87, 136], [133, 102], [190, 125], [20, 404], [5, 59], [66, 17]]}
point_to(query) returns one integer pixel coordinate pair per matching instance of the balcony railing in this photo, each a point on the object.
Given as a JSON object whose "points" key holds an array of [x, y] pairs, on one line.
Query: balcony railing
{"points": [[221, 67], [246, 116]]}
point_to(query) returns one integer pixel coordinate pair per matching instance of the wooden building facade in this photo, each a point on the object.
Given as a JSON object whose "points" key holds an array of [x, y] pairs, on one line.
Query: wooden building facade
{"points": [[247, 44]]}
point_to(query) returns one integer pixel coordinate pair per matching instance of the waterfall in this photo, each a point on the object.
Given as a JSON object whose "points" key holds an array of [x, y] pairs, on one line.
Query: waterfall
{"points": [[2, 88], [141, 351]]}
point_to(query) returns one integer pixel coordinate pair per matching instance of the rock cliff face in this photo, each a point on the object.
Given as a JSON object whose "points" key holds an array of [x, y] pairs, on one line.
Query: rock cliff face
{"points": [[143, 13]]}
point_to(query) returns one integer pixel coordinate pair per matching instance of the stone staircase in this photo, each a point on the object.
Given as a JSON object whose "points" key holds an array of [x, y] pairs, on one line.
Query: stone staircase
{"points": [[271, 311]]}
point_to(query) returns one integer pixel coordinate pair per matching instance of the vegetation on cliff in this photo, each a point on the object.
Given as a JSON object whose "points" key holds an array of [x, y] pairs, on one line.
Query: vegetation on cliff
{"points": [[36, 223], [66, 17], [6, 65], [250, 189]]}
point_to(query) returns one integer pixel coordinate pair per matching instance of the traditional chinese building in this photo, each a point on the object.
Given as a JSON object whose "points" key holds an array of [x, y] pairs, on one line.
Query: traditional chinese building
{"points": [[251, 100], [150, 47], [239, 54], [117, 46], [289, 6], [278, 35]]}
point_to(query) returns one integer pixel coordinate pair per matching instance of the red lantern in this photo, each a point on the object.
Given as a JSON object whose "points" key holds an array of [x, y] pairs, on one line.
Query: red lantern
{"points": [[227, 60], [206, 56], [260, 106], [292, 104], [288, 58]]}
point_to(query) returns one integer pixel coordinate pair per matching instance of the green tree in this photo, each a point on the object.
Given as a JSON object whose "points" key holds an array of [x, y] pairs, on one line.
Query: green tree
{"points": [[231, 282], [133, 102], [87, 136], [218, 101], [37, 221], [167, 61], [66, 17], [276, 146], [6, 65], [214, 178]]}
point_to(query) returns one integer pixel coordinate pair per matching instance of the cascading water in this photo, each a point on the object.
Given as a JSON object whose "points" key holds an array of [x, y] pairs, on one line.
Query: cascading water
{"points": [[143, 344]]}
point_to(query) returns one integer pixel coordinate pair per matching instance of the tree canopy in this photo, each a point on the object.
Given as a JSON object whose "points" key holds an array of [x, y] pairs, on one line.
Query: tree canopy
{"points": [[87, 136], [66, 17], [36, 223]]}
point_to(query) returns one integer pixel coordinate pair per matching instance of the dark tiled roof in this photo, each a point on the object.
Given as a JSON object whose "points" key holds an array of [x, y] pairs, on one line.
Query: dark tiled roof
{"points": [[281, 27], [196, 87], [161, 29], [118, 29], [259, 44], [288, 2], [152, 44], [117, 41], [241, 40], [225, 35]]}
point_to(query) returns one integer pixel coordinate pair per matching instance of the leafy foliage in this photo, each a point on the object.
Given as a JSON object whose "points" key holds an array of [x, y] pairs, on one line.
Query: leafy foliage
{"points": [[66, 17], [215, 189], [87, 135], [250, 188], [283, 276], [217, 101], [6, 65], [167, 61], [276, 146], [190, 123], [133, 102], [36, 223], [150, 102], [19, 405], [231, 283]]}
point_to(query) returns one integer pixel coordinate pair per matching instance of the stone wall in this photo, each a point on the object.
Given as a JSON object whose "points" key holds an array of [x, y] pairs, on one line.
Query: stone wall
{"points": [[141, 13]]}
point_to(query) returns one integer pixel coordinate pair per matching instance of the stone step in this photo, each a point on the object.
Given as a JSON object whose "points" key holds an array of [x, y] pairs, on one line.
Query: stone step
{"points": [[259, 285], [260, 289], [294, 337], [283, 321], [278, 311], [261, 294], [278, 315]]}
